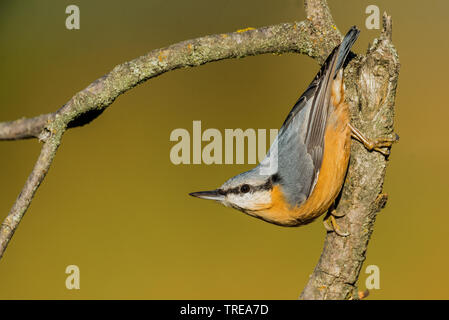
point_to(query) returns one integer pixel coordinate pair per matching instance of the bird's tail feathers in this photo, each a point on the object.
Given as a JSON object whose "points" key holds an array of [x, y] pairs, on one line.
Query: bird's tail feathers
{"points": [[345, 47]]}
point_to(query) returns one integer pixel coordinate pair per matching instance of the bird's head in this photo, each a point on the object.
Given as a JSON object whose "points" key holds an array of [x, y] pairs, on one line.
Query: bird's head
{"points": [[250, 192]]}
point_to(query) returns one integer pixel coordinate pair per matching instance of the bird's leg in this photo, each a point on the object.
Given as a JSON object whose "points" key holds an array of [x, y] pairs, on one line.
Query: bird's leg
{"points": [[377, 144], [330, 222]]}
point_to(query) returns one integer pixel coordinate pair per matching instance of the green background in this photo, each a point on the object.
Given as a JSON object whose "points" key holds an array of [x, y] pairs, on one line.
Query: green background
{"points": [[115, 205]]}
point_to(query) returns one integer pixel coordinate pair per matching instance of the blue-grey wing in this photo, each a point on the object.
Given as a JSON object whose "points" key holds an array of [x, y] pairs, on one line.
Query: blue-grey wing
{"points": [[295, 163], [300, 143], [321, 105]]}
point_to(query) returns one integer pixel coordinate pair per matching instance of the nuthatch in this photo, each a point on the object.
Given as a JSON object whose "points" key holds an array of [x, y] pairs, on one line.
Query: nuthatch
{"points": [[311, 152]]}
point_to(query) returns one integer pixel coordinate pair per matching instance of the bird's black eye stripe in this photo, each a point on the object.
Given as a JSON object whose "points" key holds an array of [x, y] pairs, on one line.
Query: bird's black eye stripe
{"points": [[276, 178], [244, 188]]}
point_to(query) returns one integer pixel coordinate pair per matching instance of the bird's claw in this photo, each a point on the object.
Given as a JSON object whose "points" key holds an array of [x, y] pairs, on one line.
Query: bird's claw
{"points": [[331, 225], [381, 145]]}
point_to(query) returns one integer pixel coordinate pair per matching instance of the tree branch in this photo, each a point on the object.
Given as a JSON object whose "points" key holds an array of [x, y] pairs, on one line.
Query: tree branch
{"points": [[24, 128], [89, 103], [370, 91], [10, 224], [297, 37], [371, 82]]}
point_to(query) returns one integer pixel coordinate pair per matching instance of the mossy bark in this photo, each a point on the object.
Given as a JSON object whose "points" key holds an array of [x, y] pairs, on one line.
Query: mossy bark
{"points": [[370, 81]]}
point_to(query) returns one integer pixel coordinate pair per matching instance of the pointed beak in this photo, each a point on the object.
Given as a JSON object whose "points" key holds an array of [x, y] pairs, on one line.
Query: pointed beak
{"points": [[209, 195]]}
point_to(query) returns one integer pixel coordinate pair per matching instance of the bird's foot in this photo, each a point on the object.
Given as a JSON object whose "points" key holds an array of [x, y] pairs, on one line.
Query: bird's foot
{"points": [[381, 145], [360, 295], [331, 225]]}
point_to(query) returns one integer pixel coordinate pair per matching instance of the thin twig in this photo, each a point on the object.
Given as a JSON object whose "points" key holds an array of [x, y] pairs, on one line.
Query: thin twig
{"points": [[299, 37], [25, 197], [89, 103], [370, 91]]}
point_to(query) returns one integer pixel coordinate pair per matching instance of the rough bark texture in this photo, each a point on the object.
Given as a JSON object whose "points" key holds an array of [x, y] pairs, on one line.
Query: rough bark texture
{"points": [[300, 37], [370, 91], [370, 81]]}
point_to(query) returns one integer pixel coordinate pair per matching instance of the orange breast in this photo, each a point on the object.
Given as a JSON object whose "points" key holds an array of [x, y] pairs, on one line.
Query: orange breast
{"points": [[337, 147], [337, 143]]}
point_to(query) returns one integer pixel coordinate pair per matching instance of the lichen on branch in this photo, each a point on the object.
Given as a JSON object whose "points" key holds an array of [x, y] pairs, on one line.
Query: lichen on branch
{"points": [[370, 80]]}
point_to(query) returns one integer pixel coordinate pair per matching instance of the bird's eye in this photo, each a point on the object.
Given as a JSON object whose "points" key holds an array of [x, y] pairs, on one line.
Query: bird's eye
{"points": [[244, 188]]}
